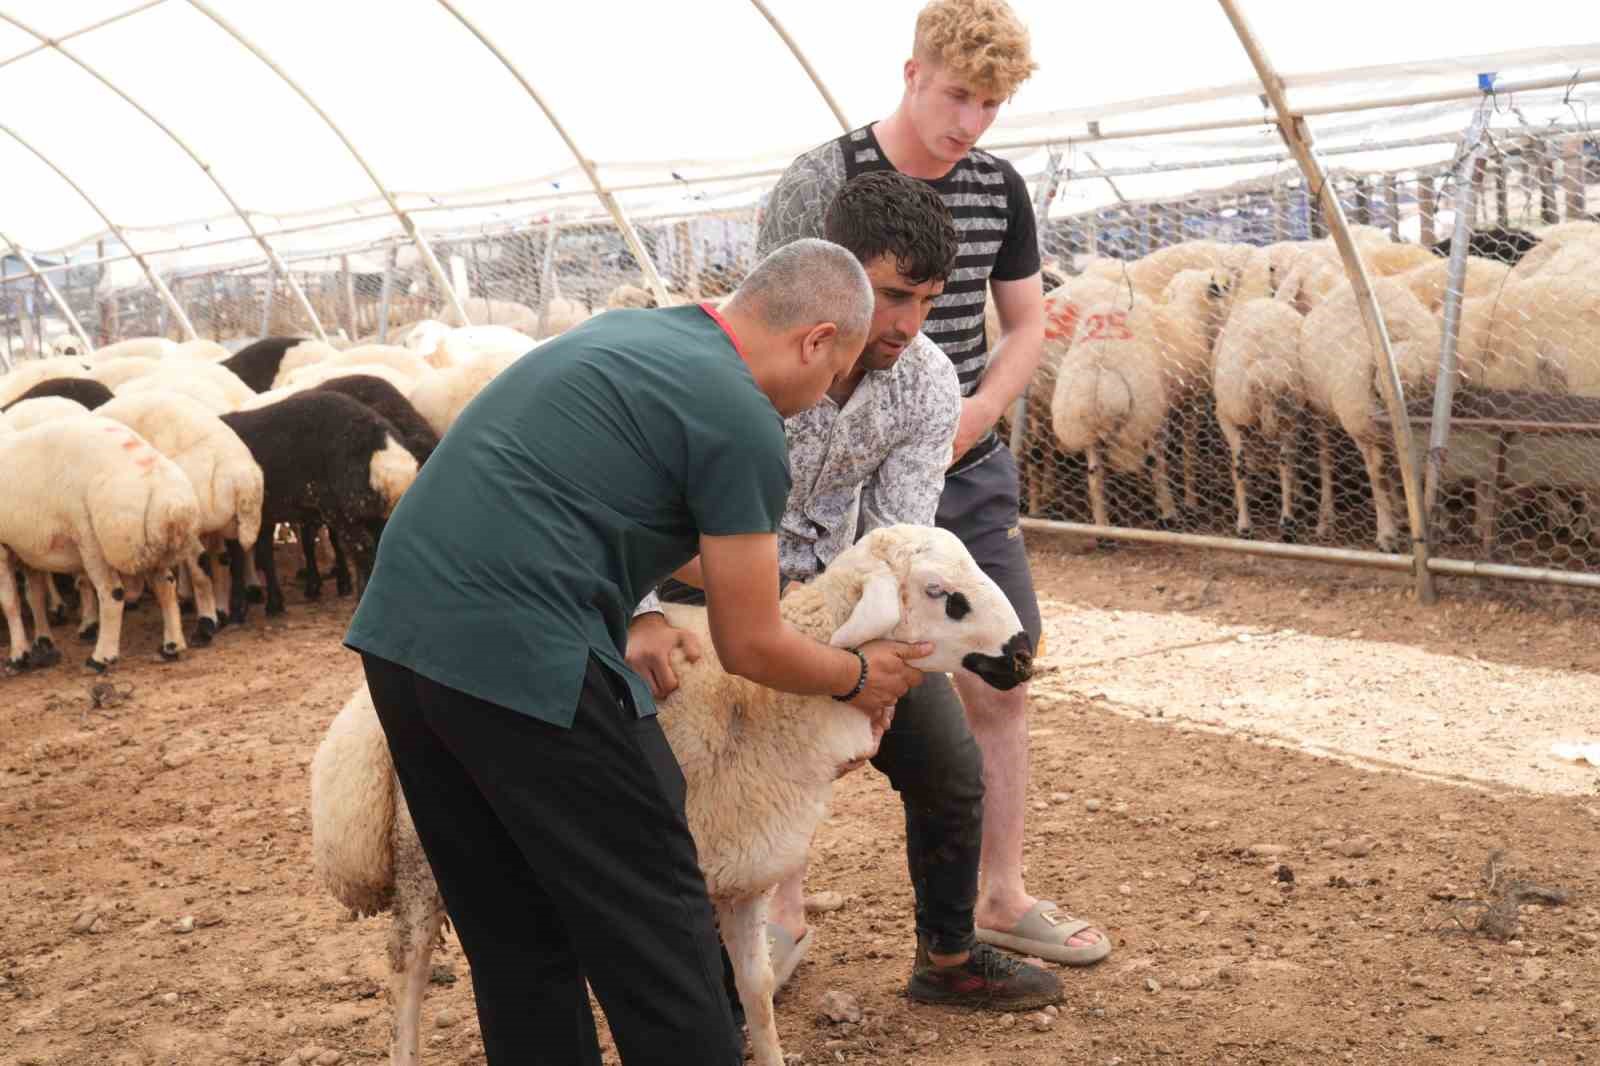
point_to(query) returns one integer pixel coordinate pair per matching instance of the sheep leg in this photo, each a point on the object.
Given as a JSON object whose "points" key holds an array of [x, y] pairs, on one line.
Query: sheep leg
{"points": [[1286, 486], [1166, 507], [111, 595], [268, 565], [187, 597], [44, 651], [55, 602], [1191, 450], [1097, 487], [341, 565], [309, 531], [205, 600], [89, 622], [165, 584], [418, 915], [221, 573], [1325, 471], [744, 931], [1241, 498], [11, 605], [238, 567], [1382, 504]]}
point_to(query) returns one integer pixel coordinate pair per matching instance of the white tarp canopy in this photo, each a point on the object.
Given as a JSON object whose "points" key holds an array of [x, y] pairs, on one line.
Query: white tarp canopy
{"points": [[699, 102]]}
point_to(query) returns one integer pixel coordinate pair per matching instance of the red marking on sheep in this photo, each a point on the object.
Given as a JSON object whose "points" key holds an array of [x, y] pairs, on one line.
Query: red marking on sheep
{"points": [[130, 444], [1113, 326], [1061, 322]]}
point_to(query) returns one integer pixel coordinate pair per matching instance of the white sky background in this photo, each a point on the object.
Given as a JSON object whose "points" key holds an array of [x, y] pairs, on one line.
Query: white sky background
{"points": [[697, 86]]}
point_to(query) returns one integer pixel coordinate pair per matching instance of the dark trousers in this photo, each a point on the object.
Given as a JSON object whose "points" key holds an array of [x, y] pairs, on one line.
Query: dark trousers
{"points": [[930, 758], [563, 855]]}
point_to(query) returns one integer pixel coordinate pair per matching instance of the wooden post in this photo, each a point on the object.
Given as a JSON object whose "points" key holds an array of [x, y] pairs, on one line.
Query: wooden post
{"points": [[1549, 210], [1502, 192], [1392, 194], [347, 297]]}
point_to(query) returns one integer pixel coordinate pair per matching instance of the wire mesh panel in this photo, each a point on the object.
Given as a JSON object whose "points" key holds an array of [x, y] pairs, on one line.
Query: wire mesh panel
{"points": [[1207, 368]]}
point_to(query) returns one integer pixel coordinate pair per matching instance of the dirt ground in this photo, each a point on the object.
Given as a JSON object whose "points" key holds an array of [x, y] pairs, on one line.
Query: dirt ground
{"points": [[1277, 786]]}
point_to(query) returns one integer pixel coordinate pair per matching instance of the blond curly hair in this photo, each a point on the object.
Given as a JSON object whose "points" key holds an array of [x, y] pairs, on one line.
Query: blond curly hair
{"points": [[981, 42]]}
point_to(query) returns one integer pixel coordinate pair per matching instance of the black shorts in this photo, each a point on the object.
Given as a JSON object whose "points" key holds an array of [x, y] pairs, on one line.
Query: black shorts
{"points": [[979, 505]]}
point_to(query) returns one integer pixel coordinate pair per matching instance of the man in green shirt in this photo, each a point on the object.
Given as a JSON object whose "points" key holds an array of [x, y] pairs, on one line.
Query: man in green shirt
{"points": [[492, 636]]}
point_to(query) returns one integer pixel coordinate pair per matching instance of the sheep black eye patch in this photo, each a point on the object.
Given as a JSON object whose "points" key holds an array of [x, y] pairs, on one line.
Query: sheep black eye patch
{"points": [[956, 606]]}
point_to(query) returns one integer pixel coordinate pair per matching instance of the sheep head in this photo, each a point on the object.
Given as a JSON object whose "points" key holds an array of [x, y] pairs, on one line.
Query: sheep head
{"points": [[919, 583]]}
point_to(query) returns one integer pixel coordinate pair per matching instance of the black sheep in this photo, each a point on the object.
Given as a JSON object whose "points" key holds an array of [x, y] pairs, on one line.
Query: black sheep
{"points": [[256, 364], [415, 434], [86, 391], [319, 454], [1505, 243]]}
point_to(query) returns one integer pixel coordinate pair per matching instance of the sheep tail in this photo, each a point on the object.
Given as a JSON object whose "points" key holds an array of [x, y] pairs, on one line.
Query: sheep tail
{"points": [[353, 809]]}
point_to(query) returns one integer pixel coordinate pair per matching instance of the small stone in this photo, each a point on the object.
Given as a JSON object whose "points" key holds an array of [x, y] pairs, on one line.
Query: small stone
{"points": [[1125, 890], [839, 1007], [1355, 847], [1040, 1021], [184, 924], [1060, 797], [445, 1019], [1091, 805], [1040, 805], [330, 1058], [1515, 947], [1589, 938], [1212, 825], [1190, 982], [1266, 851], [823, 902], [1152, 985], [1480, 1030], [1533, 970], [928, 1036], [169, 998], [1568, 1007], [172, 760], [1053, 1010], [1202, 918], [1007, 1020]]}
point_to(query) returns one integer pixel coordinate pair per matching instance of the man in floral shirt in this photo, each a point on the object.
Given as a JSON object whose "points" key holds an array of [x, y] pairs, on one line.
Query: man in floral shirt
{"points": [[874, 453]]}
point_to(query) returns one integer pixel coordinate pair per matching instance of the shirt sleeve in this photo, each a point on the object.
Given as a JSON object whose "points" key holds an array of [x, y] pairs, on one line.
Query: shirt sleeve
{"points": [[1018, 256], [800, 200], [651, 604], [906, 486]]}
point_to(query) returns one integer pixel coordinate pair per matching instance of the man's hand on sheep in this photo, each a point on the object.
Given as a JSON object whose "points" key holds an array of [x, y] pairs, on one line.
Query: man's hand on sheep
{"points": [[889, 676], [651, 640]]}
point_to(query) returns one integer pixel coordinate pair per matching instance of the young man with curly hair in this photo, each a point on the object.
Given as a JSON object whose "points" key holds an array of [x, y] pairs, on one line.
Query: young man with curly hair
{"points": [[968, 58]]}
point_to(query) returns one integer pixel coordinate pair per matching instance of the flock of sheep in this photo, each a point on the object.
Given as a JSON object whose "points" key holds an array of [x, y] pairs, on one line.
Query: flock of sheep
{"points": [[1274, 335]]}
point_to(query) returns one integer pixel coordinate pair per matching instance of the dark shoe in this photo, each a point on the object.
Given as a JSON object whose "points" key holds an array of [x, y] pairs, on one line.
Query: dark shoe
{"points": [[989, 979]]}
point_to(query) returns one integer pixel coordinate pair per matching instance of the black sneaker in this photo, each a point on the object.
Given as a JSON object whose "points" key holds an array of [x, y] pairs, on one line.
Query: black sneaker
{"points": [[989, 979]]}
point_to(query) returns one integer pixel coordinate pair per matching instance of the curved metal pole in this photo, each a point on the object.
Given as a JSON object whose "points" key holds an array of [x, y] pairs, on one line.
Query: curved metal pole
{"points": [[1293, 129], [833, 105], [629, 234], [431, 260], [272, 255], [49, 287], [116, 231]]}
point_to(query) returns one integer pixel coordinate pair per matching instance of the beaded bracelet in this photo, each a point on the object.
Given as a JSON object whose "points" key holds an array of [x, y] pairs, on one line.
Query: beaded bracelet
{"points": [[861, 682]]}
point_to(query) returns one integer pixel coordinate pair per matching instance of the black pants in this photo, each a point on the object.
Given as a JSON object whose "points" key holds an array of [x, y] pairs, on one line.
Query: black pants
{"points": [[930, 758], [562, 855]]}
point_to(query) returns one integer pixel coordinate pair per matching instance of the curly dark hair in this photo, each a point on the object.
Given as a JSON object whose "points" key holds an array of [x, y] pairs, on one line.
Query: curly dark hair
{"points": [[884, 211]]}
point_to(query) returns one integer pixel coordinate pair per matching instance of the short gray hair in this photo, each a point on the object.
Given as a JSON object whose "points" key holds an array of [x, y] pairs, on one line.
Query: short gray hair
{"points": [[808, 281]]}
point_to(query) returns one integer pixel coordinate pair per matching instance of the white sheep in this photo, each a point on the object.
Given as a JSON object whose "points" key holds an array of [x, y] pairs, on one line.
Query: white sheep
{"points": [[144, 347], [560, 314], [1111, 400], [201, 350], [309, 377], [446, 393], [1340, 369], [1553, 242], [30, 413], [1193, 306], [1259, 391], [226, 480], [759, 764], [202, 391], [303, 354], [482, 311], [114, 373], [88, 494], [1429, 282]]}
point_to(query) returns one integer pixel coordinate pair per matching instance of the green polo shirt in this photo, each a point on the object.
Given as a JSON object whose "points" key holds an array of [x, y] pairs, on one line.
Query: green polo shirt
{"points": [[576, 481]]}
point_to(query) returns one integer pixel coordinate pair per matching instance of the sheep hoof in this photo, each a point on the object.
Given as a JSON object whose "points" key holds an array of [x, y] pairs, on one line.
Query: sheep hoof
{"points": [[96, 665], [274, 608], [57, 615], [89, 633], [313, 592], [255, 594], [169, 651], [21, 664], [344, 588], [1107, 544], [44, 653], [204, 630], [222, 618]]}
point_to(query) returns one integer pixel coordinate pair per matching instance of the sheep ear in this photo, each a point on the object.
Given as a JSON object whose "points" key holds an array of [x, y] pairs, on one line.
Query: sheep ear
{"points": [[876, 613]]}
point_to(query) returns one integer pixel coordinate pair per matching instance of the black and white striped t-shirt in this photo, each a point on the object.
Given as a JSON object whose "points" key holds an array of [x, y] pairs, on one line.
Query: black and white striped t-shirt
{"points": [[993, 215]]}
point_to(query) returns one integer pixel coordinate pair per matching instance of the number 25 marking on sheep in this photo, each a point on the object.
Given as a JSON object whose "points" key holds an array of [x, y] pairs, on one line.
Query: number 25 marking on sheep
{"points": [[1061, 323], [1110, 327]]}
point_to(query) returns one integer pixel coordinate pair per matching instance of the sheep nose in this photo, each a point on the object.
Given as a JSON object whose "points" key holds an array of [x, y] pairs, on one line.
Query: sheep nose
{"points": [[1020, 650]]}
